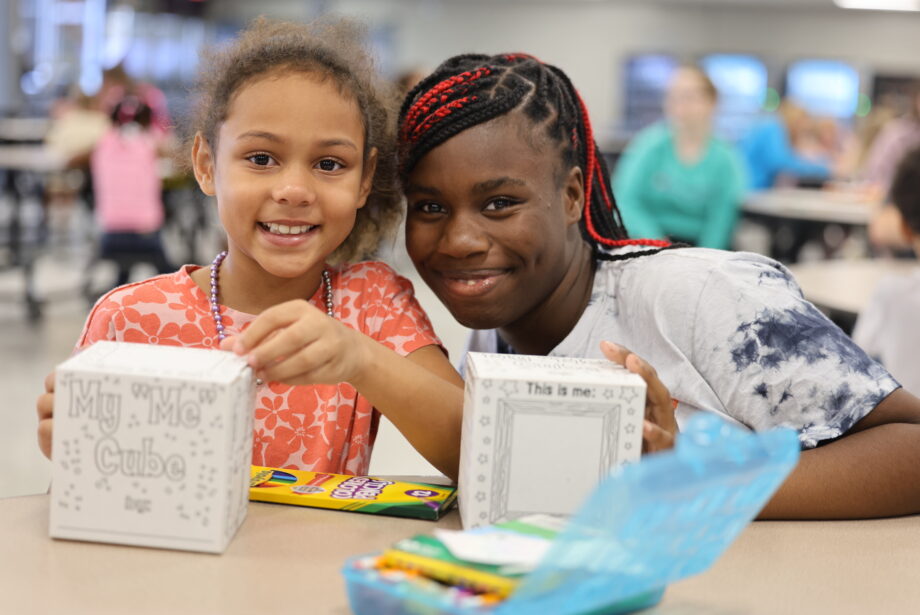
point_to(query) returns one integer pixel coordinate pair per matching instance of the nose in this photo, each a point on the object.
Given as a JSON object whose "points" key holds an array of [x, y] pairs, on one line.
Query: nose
{"points": [[294, 186], [463, 236]]}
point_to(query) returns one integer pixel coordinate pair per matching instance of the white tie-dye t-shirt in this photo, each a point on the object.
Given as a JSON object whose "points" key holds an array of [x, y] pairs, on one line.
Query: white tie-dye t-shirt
{"points": [[728, 332]]}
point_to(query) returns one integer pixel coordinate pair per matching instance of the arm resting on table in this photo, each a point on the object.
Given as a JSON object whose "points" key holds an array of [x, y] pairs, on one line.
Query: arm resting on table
{"points": [[872, 471]]}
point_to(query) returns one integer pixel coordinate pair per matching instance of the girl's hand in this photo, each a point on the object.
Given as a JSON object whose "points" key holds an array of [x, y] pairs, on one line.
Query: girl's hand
{"points": [[45, 408], [296, 343], [660, 426]]}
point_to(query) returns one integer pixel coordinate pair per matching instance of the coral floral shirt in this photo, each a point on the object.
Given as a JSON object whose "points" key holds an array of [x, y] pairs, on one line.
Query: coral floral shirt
{"points": [[324, 428]]}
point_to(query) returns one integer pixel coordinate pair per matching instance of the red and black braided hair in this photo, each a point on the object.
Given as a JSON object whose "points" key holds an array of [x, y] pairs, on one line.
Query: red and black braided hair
{"points": [[468, 90]]}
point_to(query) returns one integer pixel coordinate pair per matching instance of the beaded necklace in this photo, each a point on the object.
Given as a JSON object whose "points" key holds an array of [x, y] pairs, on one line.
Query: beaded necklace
{"points": [[215, 306]]}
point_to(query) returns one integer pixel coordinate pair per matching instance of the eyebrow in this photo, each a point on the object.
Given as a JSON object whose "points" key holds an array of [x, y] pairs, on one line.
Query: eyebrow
{"points": [[260, 134], [483, 186], [491, 184], [270, 136], [410, 187]]}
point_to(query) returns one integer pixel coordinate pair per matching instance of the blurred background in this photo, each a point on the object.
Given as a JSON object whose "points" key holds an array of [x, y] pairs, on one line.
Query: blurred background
{"points": [[774, 126]]}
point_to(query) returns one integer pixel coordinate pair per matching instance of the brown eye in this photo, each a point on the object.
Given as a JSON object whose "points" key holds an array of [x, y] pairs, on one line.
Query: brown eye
{"points": [[429, 207], [261, 160], [329, 165], [498, 204]]}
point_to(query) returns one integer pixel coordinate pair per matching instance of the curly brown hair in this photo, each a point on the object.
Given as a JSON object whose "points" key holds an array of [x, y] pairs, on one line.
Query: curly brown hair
{"points": [[334, 50]]}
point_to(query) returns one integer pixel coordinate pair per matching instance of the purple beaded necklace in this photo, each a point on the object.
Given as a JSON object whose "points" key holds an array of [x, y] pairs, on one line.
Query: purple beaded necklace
{"points": [[215, 306]]}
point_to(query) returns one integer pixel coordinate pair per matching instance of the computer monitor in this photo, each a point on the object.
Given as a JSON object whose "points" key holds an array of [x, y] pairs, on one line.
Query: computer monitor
{"points": [[742, 84], [827, 88], [646, 76]]}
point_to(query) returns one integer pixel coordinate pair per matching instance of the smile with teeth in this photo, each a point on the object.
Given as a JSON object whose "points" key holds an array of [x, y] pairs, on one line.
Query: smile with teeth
{"points": [[472, 283], [284, 229]]}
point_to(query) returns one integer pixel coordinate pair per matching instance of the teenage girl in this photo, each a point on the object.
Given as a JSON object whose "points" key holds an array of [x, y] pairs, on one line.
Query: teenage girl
{"points": [[512, 222], [291, 137]]}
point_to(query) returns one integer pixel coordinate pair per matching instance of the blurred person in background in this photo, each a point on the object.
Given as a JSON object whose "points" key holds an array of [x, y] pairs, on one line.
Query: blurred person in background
{"points": [[117, 84], [858, 147], [770, 153], [896, 138], [128, 195], [76, 126], [887, 328], [676, 180]]}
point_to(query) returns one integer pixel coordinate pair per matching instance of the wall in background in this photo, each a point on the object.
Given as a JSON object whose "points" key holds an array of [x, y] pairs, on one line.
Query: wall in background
{"points": [[590, 40], [9, 88]]}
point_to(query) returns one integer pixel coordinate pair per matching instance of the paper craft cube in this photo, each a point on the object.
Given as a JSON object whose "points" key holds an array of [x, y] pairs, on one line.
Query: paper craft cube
{"points": [[152, 446], [539, 433]]}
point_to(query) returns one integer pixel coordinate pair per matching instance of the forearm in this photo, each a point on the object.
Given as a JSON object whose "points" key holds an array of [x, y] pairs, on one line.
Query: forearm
{"points": [[425, 405], [871, 473]]}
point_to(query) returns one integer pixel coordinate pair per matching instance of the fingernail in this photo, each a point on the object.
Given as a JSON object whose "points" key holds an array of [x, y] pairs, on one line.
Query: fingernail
{"points": [[609, 345], [252, 361]]}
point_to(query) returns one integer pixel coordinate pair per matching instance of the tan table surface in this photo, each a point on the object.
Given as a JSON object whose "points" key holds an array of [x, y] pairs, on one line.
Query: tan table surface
{"points": [[847, 284], [815, 205], [24, 128], [37, 158], [287, 559]]}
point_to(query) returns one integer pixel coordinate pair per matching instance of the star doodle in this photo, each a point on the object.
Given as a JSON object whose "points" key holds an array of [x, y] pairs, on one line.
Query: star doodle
{"points": [[481, 478], [483, 458], [509, 387], [608, 393], [481, 496], [484, 421], [630, 428], [628, 394], [628, 445]]}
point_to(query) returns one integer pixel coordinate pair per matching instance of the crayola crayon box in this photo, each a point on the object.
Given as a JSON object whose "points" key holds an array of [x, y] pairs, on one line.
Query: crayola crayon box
{"points": [[365, 494]]}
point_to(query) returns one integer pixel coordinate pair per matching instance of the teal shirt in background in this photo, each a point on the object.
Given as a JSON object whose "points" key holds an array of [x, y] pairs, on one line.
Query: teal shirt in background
{"points": [[659, 196]]}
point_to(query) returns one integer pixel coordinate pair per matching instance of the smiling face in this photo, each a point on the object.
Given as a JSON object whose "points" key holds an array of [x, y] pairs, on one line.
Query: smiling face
{"points": [[492, 223], [288, 172]]}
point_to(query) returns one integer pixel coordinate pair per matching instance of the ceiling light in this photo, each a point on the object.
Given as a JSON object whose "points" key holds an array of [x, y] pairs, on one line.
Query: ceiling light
{"points": [[880, 5]]}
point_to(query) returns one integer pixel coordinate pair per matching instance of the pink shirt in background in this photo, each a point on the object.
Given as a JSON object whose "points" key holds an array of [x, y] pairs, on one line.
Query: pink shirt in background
{"points": [[126, 182], [896, 140]]}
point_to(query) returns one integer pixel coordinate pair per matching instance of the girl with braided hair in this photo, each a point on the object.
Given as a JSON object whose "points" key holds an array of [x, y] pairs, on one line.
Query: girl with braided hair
{"points": [[512, 223]]}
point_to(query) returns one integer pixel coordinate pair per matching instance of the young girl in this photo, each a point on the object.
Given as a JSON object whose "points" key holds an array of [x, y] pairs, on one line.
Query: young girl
{"points": [[291, 137], [127, 189], [512, 223]]}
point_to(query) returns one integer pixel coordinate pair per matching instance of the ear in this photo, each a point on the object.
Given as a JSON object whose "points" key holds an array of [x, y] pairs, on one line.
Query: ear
{"points": [[203, 164], [573, 191], [367, 176]]}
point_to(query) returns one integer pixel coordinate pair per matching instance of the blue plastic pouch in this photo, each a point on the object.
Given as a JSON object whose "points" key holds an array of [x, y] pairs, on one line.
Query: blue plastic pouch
{"points": [[649, 524]]}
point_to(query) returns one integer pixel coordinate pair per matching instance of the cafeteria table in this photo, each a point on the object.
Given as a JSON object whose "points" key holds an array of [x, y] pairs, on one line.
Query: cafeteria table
{"points": [[287, 559], [846, 285], [20, 163], [798, 215]]}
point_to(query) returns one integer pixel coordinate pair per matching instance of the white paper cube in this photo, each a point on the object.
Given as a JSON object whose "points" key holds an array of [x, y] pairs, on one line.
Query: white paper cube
{"points": [[152, 446], [539, 433]]}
